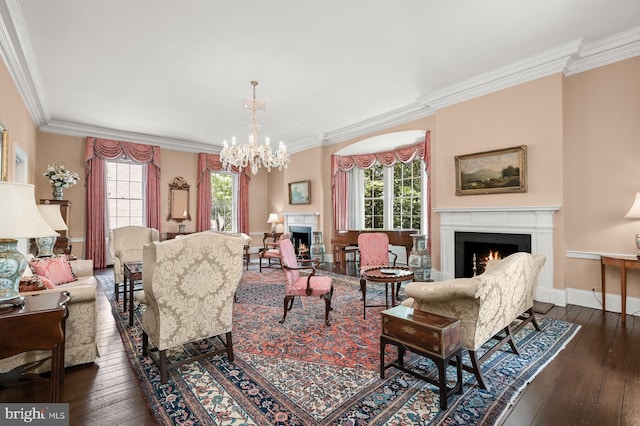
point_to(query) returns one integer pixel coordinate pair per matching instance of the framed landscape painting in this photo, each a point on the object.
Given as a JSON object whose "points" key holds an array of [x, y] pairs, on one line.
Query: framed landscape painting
{"points": [[492, 172], [300, 192]]}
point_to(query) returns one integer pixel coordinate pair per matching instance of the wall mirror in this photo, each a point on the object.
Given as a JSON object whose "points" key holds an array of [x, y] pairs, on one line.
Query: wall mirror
{"points": [[179, 200]]}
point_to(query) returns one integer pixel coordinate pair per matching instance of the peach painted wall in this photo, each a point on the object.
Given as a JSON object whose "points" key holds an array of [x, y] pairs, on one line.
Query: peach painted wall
{"points": [[528, 114], [174, 164], [16, 117], [70, 151], [601, 153]]}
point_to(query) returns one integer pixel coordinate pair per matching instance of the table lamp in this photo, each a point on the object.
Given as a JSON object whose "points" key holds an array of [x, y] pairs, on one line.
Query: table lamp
{"points": [[273, 220], [51, 214], [19, 218], [634, 213]]}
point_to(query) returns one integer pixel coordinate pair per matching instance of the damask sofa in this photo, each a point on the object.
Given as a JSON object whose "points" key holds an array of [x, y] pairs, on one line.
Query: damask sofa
{"points": [[490, 306], [80, 335]]}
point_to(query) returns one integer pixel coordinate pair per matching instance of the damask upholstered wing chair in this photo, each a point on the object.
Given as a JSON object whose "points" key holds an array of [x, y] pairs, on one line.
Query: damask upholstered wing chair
{"points": [[486, 305], [271, 251], [374, 253], [303, 285], [125, 245], [188, 291]]}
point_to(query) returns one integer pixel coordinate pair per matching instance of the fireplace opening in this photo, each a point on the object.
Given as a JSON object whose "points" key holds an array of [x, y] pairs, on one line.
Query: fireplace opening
{"points": [[474, 249], [301, 239]]}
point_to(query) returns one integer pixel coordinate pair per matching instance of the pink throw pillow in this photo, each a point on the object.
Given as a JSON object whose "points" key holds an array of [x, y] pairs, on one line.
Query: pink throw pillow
{"points": [[35, 283], [56, 269]]}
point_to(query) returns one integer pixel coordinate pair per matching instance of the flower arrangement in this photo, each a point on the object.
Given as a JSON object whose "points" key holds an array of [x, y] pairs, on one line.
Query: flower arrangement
{"points": [[60, 177]]}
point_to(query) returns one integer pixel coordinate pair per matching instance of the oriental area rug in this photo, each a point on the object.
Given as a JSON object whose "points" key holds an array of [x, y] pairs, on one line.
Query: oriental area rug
{"points": [[302, 372]]}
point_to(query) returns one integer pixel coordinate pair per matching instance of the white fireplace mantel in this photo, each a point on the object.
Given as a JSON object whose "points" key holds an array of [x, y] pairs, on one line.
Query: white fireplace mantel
{"points": [[310, 219], [534, 220]]}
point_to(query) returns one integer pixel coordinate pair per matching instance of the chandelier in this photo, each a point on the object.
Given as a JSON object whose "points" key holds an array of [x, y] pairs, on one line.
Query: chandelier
{"points": [[254, 154]]}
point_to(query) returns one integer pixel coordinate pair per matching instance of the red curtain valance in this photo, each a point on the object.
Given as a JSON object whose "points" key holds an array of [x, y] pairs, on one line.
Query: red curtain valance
{"points": [[388, 158]]}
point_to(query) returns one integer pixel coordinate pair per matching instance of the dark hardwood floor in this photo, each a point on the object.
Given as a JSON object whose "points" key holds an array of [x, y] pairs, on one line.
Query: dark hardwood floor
{"points": [[595, 380]]}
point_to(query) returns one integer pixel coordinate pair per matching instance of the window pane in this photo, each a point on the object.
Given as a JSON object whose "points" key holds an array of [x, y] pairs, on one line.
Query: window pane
{"points": [[221, 201], [125, 194], [407, 195]]}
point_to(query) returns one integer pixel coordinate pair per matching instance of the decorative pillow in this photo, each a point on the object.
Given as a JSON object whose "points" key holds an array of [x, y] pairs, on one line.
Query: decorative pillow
{"points": [[34, 283], [56, 269]]}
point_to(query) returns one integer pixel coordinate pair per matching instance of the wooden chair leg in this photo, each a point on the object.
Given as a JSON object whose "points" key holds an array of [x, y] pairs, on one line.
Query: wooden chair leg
{"points": [[512, 342], [363, 290], [327, 306], [527, 316], [287, 300], [229, 347], [163, 367], [533, 319], [476, 370], [145, 343]]}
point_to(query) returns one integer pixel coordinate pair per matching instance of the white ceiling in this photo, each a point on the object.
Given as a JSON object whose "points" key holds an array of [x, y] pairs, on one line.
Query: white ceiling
{"points": [[175, 73]]}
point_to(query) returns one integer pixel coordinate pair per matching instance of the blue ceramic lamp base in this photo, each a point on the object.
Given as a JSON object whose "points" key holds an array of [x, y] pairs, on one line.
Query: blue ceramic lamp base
{"points": [[12, 265]]}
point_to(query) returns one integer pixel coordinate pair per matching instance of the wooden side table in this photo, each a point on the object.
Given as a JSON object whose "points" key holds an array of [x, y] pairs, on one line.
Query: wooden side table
{"points": [[132, 273], [430, 335], [624, 263], [387, 275], [37, 325]]}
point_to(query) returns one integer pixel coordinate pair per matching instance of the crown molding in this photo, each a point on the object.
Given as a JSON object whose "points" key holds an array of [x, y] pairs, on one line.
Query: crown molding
{"points": [[17, 54], [82, 130], [608, 50], [392, 118], [541, 65]]}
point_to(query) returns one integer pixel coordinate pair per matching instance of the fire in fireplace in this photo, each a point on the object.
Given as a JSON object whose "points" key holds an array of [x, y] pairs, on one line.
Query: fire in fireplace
{"points": [[474, 249], [301, 239]]}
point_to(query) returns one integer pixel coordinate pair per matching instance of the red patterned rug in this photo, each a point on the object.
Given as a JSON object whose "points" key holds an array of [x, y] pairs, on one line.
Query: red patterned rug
{"points": [[302, 372], [351, 341]]}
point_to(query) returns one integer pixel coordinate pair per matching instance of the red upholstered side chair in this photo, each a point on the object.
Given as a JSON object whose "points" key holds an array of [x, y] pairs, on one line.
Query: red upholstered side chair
{"points": [[374, 253], [271, 251], [296, 285]]}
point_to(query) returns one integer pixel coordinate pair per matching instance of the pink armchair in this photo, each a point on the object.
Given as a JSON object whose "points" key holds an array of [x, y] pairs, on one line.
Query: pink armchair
{"points": [[297, 285], [271, 251], [374, 253]]}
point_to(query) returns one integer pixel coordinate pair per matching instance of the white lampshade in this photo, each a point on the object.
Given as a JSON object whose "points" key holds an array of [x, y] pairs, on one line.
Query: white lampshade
{"points": [[19, 218], [273, 218], [634, 211], [51, 214]]}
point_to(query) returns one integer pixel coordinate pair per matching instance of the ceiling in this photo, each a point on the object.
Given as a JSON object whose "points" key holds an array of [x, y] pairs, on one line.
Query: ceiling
{"points": [[175, 73]]}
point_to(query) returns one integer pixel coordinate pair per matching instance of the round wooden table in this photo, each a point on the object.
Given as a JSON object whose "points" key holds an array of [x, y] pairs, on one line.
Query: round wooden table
{"points": [[387, 275]]}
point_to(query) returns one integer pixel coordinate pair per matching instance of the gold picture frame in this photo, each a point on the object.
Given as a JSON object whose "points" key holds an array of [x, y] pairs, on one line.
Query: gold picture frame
{"points": [[492, 172], [4, 153], [300, 192]]}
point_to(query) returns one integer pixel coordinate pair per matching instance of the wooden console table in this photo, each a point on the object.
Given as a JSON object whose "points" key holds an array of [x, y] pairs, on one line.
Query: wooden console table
{"points": [[37, 325], [624, 263]]}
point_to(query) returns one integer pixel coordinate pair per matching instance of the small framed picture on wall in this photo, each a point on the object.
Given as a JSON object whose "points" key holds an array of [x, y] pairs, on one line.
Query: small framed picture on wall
{"points": [[300, 192]]}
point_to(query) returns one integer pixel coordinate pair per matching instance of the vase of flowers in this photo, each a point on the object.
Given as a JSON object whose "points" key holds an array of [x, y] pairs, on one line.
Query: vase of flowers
{"points": [[60, 178]]}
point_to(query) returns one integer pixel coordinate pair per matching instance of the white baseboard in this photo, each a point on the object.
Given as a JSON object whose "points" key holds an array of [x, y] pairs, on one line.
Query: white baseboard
{"points": [[588, 299]]}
